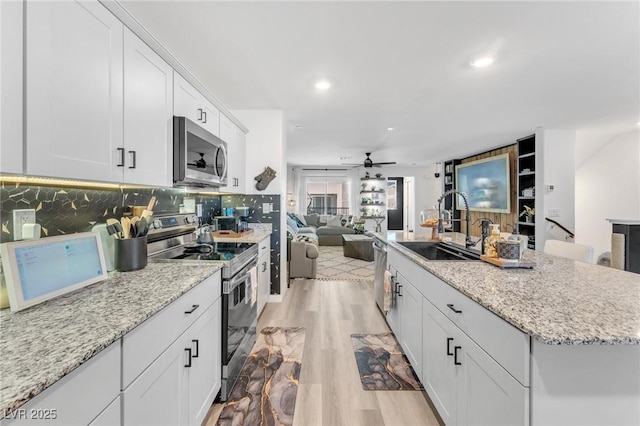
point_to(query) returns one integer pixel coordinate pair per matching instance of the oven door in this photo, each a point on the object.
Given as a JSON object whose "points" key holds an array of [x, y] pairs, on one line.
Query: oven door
{"points": [[200, 158], [239, 318]]}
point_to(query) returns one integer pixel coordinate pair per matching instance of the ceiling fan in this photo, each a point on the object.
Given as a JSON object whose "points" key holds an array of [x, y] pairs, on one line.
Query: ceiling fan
{"points": [[201, 163], [368, 162]]}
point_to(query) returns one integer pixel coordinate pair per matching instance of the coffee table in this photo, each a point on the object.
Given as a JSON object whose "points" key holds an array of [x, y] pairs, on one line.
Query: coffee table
{"points": [[357, 246]]}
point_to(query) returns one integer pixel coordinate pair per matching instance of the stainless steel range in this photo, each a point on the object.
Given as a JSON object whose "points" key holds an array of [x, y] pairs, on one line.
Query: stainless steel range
{"points": [[174, 238]]}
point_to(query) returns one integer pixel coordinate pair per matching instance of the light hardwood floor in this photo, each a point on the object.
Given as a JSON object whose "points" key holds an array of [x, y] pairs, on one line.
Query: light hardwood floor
{"points": [[330, 392]]}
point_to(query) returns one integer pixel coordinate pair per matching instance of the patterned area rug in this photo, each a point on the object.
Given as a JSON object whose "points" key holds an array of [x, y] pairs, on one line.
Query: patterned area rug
{"points": [[332, 265], [265, 392], [382, 364]]}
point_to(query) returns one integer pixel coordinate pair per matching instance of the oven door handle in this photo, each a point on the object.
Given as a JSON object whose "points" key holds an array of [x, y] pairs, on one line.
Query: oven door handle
{"points": [[240, 277]]}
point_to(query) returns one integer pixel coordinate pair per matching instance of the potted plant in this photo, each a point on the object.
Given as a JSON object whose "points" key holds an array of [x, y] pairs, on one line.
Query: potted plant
{"points": [[363, 187], [528, 213]]}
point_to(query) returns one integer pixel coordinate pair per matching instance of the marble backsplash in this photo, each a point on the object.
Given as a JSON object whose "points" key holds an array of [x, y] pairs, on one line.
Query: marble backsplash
{"points": [[66, 210]]}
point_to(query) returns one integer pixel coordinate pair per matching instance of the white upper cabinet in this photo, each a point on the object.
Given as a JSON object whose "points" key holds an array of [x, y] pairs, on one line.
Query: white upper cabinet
{"points": [[11, 146], [191, 104], [99, 100], [236, 152], [148, 114], [74, 90]]}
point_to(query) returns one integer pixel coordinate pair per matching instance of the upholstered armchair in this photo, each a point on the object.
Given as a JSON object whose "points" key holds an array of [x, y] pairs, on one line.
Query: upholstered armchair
{"points": [[302, 262]]}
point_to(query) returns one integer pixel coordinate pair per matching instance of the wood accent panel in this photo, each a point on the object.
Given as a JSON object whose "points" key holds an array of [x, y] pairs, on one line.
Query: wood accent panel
{"points": [[503, 219]]}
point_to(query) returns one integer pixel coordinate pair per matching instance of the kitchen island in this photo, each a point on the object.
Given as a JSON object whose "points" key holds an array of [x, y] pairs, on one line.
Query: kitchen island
{"points": [[565, 335], [42, 344]]}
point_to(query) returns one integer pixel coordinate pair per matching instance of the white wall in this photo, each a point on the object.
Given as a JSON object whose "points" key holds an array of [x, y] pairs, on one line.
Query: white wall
{"points": [[607, 186], [555, 165], [266, 145]]}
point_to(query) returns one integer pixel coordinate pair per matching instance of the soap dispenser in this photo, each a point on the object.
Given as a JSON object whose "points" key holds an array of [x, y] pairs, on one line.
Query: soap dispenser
{"points": [[491, 242]]}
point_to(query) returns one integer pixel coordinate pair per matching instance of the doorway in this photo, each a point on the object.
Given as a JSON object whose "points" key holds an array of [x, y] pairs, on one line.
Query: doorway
{"points": [[395, 203]]}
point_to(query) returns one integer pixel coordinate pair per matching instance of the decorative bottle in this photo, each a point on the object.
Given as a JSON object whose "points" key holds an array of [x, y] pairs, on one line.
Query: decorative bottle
{"points": [[491, 242]]}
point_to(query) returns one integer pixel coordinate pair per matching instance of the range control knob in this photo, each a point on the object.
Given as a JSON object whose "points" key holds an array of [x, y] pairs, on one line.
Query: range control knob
{"points": [[157, 224], [191, 219]]}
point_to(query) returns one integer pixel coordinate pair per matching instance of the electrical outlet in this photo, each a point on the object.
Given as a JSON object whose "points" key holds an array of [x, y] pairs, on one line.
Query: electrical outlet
{"points": [[554, 213], [22, 217]]}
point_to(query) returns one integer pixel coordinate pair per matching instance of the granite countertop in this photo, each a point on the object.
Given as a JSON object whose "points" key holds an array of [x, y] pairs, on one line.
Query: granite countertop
{"points": [[41, 344], [560, 301], [251, 237]]}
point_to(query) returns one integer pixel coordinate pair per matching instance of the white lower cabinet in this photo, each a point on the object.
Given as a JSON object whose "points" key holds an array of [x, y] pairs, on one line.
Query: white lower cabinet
{"points": [[410, 309], [180, 380], [79, 397], [180, 386], [206, 362], [264, 272], [159, 396], [465, 384], [110, 416]]}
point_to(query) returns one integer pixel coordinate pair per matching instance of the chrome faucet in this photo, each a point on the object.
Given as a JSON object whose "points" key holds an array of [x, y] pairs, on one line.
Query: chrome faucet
{"points": [[468, 243]]}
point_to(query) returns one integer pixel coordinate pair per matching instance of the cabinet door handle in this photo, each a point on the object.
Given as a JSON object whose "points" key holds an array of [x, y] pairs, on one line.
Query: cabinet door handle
{"points": [[399, 287], [449, 340], [197, 350], [133, 159], [450, 306], [455, 355], [204, 117], [193, 308], [188, 351], [264, 266], [199, 114], [121, 164]]}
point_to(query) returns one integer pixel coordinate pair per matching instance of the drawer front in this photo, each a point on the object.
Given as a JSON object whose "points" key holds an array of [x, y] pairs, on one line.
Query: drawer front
{"points": [[264, 246], [502, 341], [78, 397], [146, 342]]}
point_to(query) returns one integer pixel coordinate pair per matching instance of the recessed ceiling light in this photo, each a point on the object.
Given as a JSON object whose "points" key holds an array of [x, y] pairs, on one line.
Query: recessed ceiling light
{"points": [[345, 158], [482, 62], [323, 85], [298, 127], [389, 128]]}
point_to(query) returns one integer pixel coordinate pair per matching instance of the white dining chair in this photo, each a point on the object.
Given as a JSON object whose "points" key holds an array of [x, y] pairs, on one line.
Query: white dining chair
{"points": [[581, 252]]}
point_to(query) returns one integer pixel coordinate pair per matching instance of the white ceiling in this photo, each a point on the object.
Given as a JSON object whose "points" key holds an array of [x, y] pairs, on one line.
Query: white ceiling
{"points": [[406, 65]]}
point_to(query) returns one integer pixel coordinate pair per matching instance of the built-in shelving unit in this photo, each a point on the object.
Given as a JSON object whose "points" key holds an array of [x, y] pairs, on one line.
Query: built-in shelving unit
{"points": [[449, 179], [527, 186], [373, 198]]}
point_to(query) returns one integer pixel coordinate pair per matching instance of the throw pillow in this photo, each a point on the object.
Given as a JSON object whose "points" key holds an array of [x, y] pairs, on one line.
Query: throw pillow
{"points": [[334, 221], [292, 223], [312, 219], [299, 223], [300, 219]]}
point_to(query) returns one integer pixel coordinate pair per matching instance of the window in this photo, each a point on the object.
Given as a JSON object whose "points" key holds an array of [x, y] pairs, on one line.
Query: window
{"points": [[328, 196]]}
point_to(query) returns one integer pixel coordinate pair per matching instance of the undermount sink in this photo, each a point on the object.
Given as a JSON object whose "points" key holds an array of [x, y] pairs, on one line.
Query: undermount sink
{"points": [[439, 251]]}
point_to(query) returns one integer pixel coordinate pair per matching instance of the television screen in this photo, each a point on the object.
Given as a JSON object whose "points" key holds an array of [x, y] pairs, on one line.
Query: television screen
{"points": [[486, 184]]}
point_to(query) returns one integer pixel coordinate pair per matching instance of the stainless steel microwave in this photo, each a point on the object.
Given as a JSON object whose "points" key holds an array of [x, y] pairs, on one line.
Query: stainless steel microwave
{"points": [[199, 157]]}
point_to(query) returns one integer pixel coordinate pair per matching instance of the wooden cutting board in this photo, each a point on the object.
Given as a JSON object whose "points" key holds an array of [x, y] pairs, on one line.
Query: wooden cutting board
{"points": [[507, 264], [231, 234]]}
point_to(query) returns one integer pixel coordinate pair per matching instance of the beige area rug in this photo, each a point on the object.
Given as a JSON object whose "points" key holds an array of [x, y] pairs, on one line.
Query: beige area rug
{"points": [[332, 265]]}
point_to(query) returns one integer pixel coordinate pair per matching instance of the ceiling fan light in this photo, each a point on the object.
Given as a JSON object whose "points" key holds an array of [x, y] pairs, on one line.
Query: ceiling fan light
{"points": [[323, 85], [482, 62]]}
